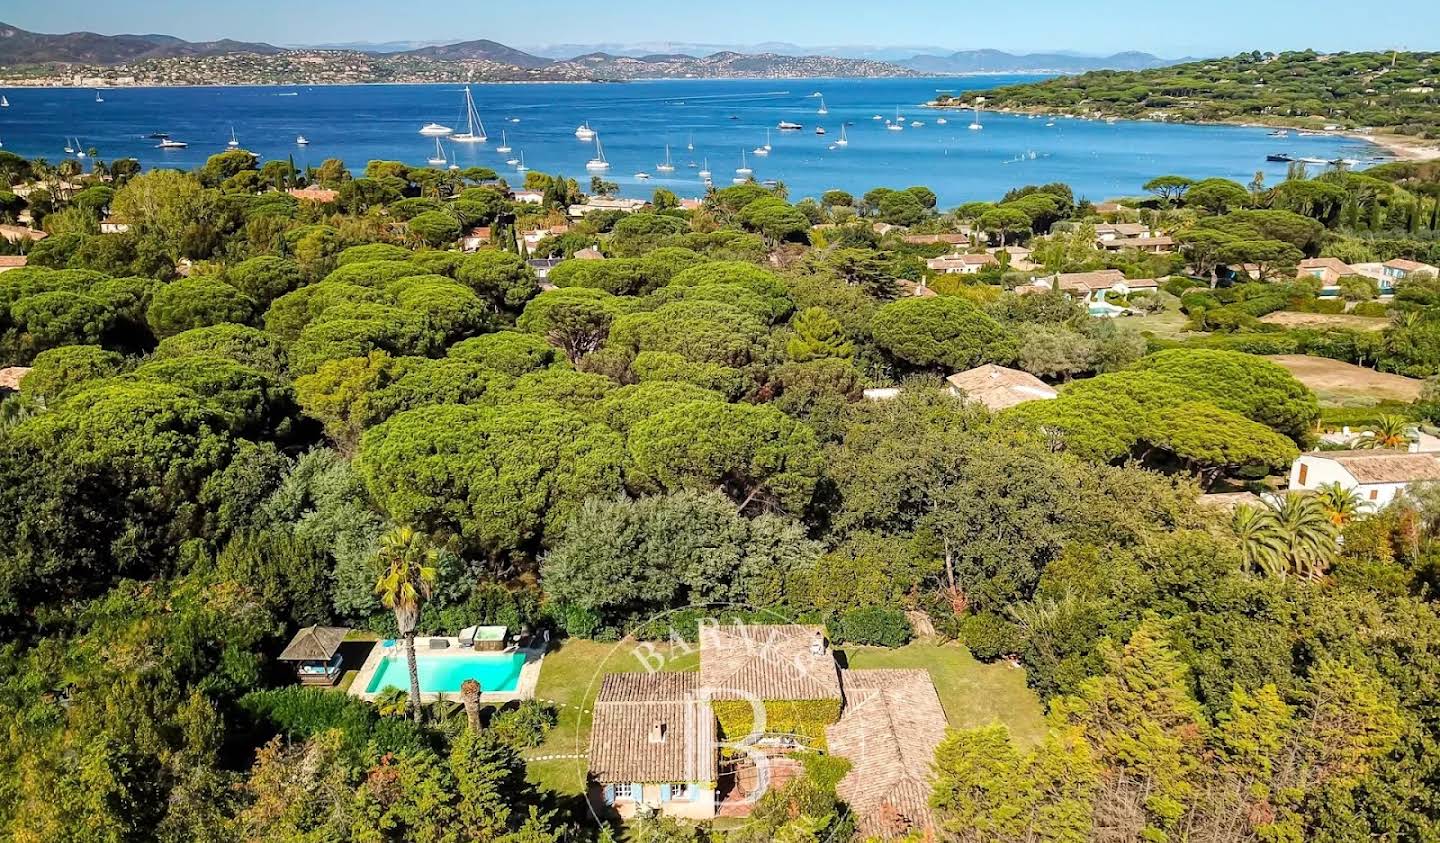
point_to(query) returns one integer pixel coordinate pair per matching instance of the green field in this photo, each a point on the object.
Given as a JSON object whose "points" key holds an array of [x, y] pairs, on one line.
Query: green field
{"points": [[973, 694]]}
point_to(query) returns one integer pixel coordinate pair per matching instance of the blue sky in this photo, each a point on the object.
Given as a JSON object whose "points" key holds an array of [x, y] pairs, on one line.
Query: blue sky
{"points": [[1207, 27]]}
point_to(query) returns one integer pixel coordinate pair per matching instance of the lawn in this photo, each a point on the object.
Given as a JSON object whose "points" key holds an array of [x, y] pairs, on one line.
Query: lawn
{"points": [[1339, 384], [972, 693], [570, 677]]}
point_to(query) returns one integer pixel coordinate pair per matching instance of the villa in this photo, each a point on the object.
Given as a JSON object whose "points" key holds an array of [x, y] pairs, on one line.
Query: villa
{"points": [[605, 203], [1329, 271], [321, 195], [998, 387], [961, 264], [475, 238], [1390, 272], [1377, 476], [529, 197], [1091, 288], [1114, 237], [657, 739]]}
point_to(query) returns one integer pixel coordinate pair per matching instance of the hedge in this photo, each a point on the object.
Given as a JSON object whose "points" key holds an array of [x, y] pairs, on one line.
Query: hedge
{"points": [[806, 718], [875, 625]]}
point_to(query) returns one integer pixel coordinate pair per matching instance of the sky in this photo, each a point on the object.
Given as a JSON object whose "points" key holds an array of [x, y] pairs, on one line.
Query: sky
{"points": [[1162, 27]]}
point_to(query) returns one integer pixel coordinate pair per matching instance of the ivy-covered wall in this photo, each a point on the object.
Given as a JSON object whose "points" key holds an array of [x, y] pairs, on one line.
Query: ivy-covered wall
{"points": [[807, 718]]}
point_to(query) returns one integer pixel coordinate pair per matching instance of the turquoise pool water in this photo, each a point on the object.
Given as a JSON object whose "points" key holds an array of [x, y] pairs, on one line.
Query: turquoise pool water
{"points": [[495, 672]]}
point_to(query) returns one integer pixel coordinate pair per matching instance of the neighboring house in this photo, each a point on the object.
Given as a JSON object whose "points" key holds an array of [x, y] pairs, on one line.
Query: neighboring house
{"points": [[590, 253], [10, 378], [110, 225], [656, 741], [542, 266], [1019, 258], [532, 238], [529, 197], [1376, 475], [477, 237], [692, 204], [1328, 271], [323, 195], [892, 725], [1390, 272], [15, 233], [961, 239], [998, 387], [1108, 208], [961, 264], [603, 203], [1118, 236], [8, 262]]}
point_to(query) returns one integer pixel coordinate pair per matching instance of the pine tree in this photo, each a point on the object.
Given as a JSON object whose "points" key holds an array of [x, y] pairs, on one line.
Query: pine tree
{"points": [[817, 334]]}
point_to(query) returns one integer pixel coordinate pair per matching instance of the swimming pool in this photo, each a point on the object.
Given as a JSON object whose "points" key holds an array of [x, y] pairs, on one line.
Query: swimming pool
{"points": [[496, 672]]}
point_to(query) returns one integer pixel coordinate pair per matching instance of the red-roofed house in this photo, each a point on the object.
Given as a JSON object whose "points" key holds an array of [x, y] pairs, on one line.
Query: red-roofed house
{"points": [[477, 237]]}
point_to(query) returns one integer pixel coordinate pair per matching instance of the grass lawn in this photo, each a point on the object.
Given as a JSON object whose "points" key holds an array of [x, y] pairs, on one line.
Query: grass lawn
{"points": [[973, 693], [1339, 384], [1167, 324], [570, 677]]}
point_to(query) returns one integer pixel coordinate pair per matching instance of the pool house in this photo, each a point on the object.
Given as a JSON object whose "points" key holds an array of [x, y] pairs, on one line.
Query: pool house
{"points": [[315, 652]]}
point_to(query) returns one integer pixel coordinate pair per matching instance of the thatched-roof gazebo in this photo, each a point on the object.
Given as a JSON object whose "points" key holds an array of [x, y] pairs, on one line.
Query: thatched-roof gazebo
{"points": [[315, 650]]}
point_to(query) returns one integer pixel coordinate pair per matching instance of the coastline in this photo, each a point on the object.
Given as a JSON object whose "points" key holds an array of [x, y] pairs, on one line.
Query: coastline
{"points": [[1401, 147]]}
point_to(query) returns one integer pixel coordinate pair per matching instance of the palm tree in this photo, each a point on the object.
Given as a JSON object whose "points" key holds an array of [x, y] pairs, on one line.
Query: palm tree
{"points": [[1306, 535], [406, 579], [391, 701], [1259, 544], [470, 696], [1390, 432], [1341, 505]]}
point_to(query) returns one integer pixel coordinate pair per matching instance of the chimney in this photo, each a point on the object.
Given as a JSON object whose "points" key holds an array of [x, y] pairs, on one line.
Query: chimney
{"points": [[817, 645], [657, 733]]}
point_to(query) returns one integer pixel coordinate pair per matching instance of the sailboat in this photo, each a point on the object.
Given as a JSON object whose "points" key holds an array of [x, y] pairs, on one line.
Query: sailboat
{"points": [[438, 159], [98, 98], [584, 132], [234, 142], [667, 166], [79, 149], [4, 103], [843, 141], [941, 121], [301, 140], [598, 163], [763, 150], [975, 127], [520, 168], [704, 173], [744, 168], [691, 145], [475, 130], [69, 147], [504, 143], [823, 110]]}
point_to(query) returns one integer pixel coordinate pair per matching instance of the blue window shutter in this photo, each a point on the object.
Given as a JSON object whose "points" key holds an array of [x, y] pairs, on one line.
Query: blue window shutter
{"points": [[609, 794], [664, 793]]}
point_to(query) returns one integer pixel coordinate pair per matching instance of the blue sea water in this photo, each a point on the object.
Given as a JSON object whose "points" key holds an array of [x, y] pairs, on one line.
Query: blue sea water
{"points": [[443, 674], [635, 121]]}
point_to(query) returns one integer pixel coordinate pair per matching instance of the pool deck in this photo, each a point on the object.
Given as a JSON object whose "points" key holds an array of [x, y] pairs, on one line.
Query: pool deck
{"points": [[524, 687]]}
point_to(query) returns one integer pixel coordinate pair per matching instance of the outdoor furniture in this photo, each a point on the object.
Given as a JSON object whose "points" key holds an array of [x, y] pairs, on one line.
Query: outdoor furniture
{"points": [[439, 643], [483, 637]]}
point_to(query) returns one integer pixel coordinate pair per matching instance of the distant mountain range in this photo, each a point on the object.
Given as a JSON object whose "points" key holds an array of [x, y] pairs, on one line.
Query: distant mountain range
{"points": [[995, 61], [18, 46], [632, 61]]}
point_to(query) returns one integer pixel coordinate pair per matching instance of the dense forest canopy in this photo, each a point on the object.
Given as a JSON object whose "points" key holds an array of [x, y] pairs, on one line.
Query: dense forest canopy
{"points": [[1391, 90], [249, 412]]}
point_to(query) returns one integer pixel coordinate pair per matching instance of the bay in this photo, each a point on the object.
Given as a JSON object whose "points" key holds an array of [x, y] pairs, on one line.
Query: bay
{"points": [[636, 120]]}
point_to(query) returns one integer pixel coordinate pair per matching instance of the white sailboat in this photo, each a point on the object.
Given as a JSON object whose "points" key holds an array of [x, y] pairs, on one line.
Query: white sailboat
{"points": [[234, 141], [98, 98], [4, 103], [898, 124], [704, 173], [438, 159], [79, 148], [584, 132], [301, 140], [823, 110], [520, 168], [691, 145], [504, 143], [598, 163], [843, 141], [667, 166], [764, 149], [474, 129], [941, 121], [69, 147], [975, 126], [744, 168]]}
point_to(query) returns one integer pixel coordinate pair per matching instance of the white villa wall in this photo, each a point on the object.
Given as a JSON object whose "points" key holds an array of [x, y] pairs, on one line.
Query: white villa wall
{"points": [[1320, 471]]}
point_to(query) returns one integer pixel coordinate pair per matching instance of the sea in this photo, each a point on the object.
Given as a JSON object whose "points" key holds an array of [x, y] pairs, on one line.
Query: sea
{"points": [[703, 122]]}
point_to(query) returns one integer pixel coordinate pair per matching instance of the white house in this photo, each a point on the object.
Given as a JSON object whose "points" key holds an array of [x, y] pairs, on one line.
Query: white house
{"points": [[1377, 475], [961, 264], [529, 197]]}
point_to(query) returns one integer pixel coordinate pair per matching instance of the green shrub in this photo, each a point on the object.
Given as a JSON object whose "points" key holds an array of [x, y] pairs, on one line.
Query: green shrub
{"points": [[526, 726], [875, 625], [1371, 308], [989, 636], [806, 718]]}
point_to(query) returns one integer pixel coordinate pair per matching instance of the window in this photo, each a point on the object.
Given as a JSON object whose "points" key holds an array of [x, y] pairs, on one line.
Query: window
{"points": [[625, 791], [1304, 473], [680, 792], [1374, 494]]}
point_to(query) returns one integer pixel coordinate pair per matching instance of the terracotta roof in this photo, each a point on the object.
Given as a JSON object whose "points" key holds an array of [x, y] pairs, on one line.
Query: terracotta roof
{"points": [[1384, 466], [892, 724], [928, 239], [949, 261], [589, 254], [13, 261], [770, 662], [998, 387], [480, 231], [1409, 265], [10, 377], [1335, 265], [314, 643], [15, 232], [652, 728], [1123, 229], [314, 194]]}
